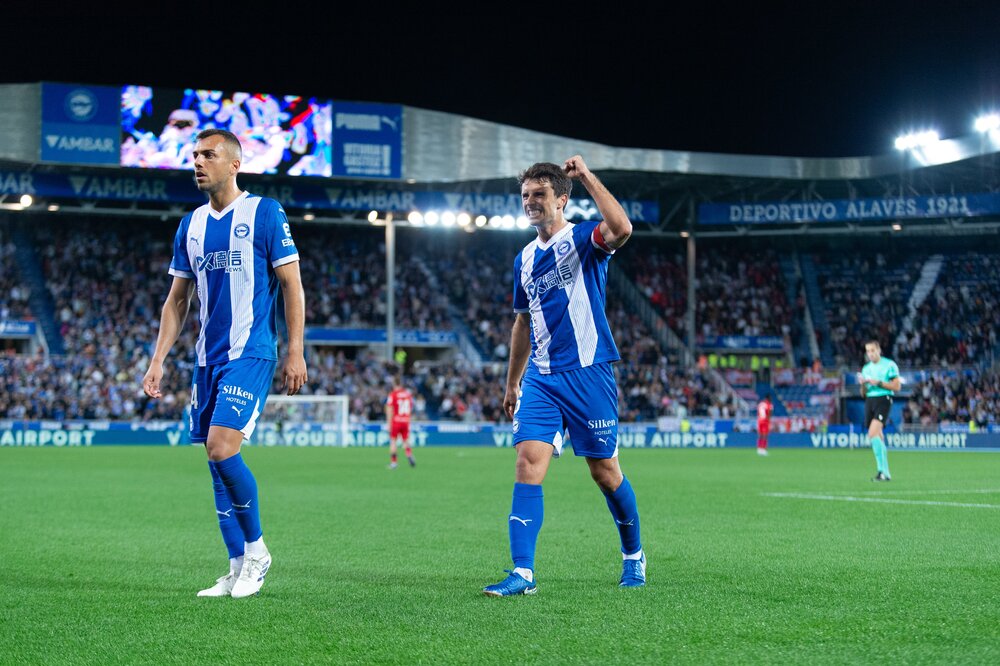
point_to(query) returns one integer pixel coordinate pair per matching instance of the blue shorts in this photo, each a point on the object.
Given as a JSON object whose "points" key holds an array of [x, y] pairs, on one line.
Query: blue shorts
{"points": [[231, 395], [582, 402]]}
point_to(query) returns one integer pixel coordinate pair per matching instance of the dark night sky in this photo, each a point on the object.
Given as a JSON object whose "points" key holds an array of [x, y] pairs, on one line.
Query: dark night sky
{"points": [[810, 79]]}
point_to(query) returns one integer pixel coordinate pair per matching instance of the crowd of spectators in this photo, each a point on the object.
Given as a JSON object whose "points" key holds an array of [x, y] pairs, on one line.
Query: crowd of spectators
{"points": [[108, 280], [738, 293], [953, 397], [866, 297], [14, 293], [957, 324], [347, 282]]}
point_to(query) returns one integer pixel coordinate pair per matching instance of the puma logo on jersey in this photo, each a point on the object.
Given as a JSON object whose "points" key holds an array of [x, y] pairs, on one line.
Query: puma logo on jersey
{"points": [[224, 513], [242, 506], [239, 412], [523, 521]]}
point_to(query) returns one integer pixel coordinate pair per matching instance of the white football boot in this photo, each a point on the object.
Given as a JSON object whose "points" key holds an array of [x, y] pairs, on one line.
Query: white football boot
{"points": [[223, 587], [251, 578]]}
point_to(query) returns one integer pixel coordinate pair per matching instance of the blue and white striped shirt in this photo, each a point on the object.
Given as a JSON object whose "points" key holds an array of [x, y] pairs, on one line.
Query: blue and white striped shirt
{"points": [[561, 284], [231, 256]]}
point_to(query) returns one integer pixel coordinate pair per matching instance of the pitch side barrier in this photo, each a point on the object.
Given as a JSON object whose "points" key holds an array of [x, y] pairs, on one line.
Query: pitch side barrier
{"points": [[630, 436]]}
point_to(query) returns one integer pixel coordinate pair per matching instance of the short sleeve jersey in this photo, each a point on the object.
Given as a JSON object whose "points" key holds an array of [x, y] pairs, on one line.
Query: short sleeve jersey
{"points": [[561, 284], [884, 371], [231, 256], [401, 401]]}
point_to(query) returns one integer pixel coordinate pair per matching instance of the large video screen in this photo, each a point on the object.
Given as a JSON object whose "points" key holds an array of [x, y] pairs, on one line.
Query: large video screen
{"points": [[285, 135]]}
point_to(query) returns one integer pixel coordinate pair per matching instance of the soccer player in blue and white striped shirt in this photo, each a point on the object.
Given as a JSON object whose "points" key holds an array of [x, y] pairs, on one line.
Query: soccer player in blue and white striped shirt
{"points": [[561, 335], [235, 251]]}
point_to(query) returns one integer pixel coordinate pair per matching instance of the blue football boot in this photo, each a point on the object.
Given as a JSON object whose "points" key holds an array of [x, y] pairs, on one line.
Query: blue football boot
{"points": [[633, 572], [513, 584]]}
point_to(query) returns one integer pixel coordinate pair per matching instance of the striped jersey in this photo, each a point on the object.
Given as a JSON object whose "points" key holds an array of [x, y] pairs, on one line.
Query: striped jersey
{"points": [[561, 285], [231, 256]]}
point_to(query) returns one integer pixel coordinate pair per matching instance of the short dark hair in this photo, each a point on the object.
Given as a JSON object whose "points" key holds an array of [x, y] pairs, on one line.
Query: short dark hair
{"points": [[874, 342], [550, 173], [228, 138]]}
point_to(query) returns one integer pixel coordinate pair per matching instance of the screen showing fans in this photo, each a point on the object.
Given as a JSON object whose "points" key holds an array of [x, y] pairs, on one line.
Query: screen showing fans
{"points": [[286, 135]]}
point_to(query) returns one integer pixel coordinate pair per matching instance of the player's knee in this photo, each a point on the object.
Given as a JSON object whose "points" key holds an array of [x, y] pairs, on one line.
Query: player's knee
{"points": [[608, 478], [219, 449], [528, 471]]}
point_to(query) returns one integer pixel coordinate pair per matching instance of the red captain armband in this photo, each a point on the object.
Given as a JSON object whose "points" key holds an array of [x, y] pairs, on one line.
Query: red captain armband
{"points": [[598, 239]]}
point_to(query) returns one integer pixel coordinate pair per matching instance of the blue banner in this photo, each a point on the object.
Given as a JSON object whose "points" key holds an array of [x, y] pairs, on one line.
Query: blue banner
{"points": [[180, 189], [17, 328], [364, 336], [630, 436], [80, 124], [367, 140], [851, 210], [743, 342]]}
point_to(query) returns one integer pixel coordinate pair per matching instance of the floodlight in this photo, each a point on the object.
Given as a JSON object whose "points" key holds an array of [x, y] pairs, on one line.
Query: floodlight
{"points": [[987, 122]]}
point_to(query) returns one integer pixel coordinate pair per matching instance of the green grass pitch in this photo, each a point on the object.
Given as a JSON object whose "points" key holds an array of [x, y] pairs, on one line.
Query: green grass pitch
{"points": [[102, 551]]}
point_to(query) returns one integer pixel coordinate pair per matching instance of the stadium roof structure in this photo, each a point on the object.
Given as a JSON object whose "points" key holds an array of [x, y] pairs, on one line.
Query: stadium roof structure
{"points": [[444, 152]]}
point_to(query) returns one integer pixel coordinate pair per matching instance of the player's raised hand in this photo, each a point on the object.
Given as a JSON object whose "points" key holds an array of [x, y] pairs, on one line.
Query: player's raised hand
{"points": [[151, 382], [295, 375], [575, 167]]}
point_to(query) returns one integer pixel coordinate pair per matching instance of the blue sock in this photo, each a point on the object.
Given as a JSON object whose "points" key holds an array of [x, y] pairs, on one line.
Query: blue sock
{"points": [[626, 515], [242, 490], [525, 520], [231, 532]]}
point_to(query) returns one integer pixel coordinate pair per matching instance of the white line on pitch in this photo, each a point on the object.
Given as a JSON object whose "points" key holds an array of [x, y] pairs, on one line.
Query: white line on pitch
{"points": [[982, 491], [880, 500]]}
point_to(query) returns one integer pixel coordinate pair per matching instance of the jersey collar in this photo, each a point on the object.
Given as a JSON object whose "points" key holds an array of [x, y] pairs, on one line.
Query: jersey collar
{"points": [[225, 211], [558, 237]]}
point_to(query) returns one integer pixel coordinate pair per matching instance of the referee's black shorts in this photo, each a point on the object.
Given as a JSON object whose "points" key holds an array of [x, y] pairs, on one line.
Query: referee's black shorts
{"points": [[877, 408]]}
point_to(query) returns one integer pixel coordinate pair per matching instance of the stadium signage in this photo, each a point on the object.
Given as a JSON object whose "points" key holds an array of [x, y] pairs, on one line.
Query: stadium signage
{"points": [[179, 189], [851, 210], [364, 336], [13, 328], [80, 124], [743, 342], [898, 440], [630, 435], [367, 140]]}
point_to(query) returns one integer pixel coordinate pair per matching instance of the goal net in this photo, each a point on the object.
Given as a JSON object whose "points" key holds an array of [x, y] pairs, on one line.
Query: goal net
{"points": [[306, 420]]}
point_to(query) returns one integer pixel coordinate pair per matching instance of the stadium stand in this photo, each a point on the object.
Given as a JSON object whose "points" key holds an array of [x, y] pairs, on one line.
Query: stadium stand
{"points": [[954, 397], [14, 294], [739, 293], [957, 324], [865, 297]]}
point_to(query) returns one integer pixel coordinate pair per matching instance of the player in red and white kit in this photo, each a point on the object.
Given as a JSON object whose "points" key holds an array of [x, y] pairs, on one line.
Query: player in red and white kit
{"points": [[398, 409], [764, 410]]}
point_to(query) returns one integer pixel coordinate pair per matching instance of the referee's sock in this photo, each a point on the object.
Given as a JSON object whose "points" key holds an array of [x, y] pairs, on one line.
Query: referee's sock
{"points": [[881, 455]]}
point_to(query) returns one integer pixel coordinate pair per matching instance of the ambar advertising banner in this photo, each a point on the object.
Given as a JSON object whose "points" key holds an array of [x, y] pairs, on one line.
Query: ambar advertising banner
{"points": [[80, 124]]}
